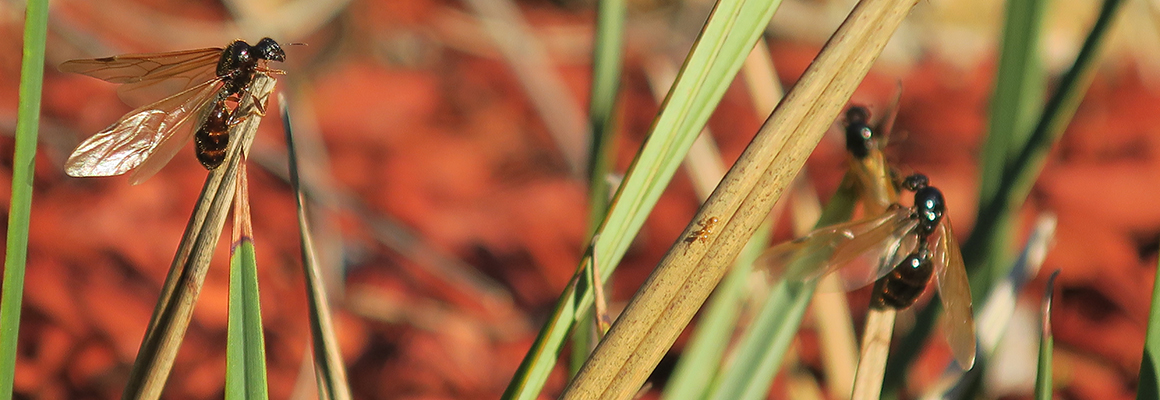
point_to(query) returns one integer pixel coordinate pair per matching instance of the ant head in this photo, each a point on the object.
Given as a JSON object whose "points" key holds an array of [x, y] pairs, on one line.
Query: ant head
{"points": [[929, 205], [859, 136], [268, 49], [857, 114], [915, 182]]}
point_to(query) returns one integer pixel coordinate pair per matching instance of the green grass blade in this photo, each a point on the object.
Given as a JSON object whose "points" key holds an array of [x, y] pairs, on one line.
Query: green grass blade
{"points": [[1027, 162], [606, 66], [724, 43], [27, 126], [245, 345], [727, 38], [762, 347], [1019, 90], [175, 304], [1015, 104], [328, 366], [1043, 376], [693, 266], [987, 240]]}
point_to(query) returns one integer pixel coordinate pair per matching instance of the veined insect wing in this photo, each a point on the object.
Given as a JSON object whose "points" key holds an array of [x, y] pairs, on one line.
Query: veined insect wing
{"points": [[147, 78], [135, 139], [884, 128], [955, 293], [879, 260], [813, 255], [181, 135], [892, 226], [804, 258]]}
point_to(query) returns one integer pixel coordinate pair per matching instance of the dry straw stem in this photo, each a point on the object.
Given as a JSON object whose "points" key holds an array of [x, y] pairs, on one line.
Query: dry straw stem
{"points": [[190, 263], [875, 349], [330, 373], [676, 289]]}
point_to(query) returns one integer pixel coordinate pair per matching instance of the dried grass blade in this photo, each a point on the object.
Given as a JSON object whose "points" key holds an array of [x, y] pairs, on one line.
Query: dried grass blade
{"points": [[187, 272], [328, 366]]}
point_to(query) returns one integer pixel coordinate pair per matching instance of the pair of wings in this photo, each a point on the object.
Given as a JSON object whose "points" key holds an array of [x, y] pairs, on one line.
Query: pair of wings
{"points": [[866, 250], [145, 139]]}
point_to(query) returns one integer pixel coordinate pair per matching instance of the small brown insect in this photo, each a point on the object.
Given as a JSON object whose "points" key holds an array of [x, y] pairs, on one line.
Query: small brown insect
{"points": [[702, 235]]}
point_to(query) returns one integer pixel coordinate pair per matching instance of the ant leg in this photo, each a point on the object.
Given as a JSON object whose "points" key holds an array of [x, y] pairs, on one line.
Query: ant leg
{"points": [[259, 105], [270, 71], [258, 109]]}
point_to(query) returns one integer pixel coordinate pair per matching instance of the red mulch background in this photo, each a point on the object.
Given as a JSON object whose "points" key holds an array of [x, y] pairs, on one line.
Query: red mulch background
{"points": [[445, 165]]}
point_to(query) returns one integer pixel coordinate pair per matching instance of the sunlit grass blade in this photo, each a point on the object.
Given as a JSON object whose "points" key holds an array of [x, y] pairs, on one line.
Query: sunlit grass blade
{"points": [[758, 355], [23, 161], [692, 268], [328, 365], [726, 39], [701, 358], [876, 339], [245, 343], [986, 245], [606, 65], [1043, 389], [187, 273]]}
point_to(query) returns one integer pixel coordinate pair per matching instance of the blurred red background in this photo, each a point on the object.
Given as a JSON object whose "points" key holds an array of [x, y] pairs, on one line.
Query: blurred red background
{"points": [[449, 211]]}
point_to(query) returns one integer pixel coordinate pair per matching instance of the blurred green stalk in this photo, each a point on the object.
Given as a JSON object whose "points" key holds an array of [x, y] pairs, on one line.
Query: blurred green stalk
{"points": [[606, 66], [1043, 377], [23, 165]]}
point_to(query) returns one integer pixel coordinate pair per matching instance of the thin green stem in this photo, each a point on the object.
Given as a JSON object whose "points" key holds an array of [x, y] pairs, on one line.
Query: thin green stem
{"points": [[27, 126], [606, 66], [1043, 378]]}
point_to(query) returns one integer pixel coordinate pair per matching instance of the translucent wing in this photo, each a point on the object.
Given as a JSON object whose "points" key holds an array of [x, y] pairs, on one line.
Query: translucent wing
{"points": [[874, 184], [885, 125], [879, 260], [130, 68], [955, 292], [148, 77], [136, 137], [830, 248], [171, 144], [878, 241]]}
